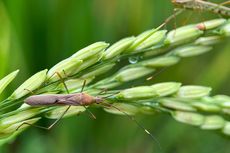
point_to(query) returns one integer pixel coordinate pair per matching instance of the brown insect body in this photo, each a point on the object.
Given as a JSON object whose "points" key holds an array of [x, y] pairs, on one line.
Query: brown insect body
{"points": [[76, 99]]}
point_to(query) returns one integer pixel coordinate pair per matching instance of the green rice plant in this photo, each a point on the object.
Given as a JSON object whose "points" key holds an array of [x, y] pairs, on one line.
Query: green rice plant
{"points": [[100, 65]]}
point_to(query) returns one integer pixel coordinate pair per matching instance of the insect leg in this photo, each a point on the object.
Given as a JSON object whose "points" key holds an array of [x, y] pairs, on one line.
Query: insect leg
{"points": [[225, 3], [46, 128], [175, 13], [91, 114], [62, 80], [84, 83], [187, 18], [221, 11], [133, 119], [83, 86]]}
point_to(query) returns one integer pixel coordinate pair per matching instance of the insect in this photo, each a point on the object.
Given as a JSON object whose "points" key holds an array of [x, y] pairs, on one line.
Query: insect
{"points": [[75, 99], [203, 5]]}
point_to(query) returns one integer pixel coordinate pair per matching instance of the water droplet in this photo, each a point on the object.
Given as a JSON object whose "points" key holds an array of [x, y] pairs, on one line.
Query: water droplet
{"points": [[133, 59]]}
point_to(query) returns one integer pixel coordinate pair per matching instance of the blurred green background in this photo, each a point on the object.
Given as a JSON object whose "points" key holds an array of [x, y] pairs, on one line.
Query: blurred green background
{"points": [[35, 35]]}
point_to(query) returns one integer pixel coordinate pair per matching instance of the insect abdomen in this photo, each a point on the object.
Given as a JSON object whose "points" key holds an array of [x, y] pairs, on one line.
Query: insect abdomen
{"points": [[47, 99], [40, 100]]}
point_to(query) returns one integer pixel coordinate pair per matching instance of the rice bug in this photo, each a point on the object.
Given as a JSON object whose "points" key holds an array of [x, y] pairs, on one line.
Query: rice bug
{"points": [[203, 6], [74, 99]]}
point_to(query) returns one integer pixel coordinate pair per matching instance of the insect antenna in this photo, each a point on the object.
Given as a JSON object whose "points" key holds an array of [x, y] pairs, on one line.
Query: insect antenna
{"points": [[133, 119], [110, 95], [103, 90]]}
